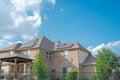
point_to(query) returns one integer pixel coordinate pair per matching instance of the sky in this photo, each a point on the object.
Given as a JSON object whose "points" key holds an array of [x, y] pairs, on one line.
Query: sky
{"points": [[92, 23]]}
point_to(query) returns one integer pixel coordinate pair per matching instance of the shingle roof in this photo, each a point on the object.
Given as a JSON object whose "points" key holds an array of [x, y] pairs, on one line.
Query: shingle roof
{"points": [[89, 60], [68, 45], [12, 47], [64, 45], [45, 43], [28, 44]]}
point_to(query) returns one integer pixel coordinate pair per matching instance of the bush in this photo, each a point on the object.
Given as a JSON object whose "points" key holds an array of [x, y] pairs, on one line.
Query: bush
{"points": [[71, 76], [65, 78], [117, 75], [92, 78]]}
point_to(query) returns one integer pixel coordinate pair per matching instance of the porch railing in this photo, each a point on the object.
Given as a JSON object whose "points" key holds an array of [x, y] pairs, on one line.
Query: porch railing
{"points": [[17, 76]]}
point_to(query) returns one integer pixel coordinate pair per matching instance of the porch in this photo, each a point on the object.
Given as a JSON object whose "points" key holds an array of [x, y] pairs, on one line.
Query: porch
{"points": [[19, 68]]}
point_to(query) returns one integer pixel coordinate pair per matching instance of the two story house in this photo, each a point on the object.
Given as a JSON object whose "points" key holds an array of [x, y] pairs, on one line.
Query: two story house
{"points": [[59, 58]]}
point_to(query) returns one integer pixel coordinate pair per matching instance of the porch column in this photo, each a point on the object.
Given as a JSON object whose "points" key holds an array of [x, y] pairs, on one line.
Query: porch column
{"points": [[15, 68], [25, 68], [0, 68]]}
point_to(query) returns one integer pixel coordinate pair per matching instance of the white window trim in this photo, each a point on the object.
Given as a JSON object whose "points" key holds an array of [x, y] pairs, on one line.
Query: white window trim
{"points": [[66, 54], [28, 53], [11, 53], [69, 69]]}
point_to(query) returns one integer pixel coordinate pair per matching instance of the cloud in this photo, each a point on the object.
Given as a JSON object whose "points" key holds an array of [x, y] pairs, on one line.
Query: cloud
{"points": [[114, 46], [20, 18], [4, 42], [16, 19]]}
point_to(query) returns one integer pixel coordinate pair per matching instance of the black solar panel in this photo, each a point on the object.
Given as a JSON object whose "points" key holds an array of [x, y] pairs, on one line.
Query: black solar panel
{"points": [[28, 44], [64, 45]]}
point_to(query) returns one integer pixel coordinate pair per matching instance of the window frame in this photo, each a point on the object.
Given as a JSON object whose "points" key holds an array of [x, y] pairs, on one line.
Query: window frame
{"points": [[66, 54], [64, 73], [68, 70], [48, 55], [28, 53], [11, 53]]}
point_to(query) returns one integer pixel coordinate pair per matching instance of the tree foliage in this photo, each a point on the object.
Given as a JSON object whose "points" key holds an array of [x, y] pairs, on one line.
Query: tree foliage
{"points": [[73, 75], [38, 67], [106, 61]]}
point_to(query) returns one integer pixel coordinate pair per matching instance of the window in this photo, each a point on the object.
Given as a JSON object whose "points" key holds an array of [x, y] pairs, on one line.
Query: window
{"points": [[48, 55], [5, 69], [28, 53], [69, 69], [66, 71], [11, 52], [66, 54], [28, 70]]}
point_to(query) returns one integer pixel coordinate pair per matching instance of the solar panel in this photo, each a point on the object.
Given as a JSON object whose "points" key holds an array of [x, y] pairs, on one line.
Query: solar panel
{"points": [[28, 44], [64, 45]]}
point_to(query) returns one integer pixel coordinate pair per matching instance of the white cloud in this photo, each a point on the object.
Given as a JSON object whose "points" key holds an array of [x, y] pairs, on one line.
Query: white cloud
{"points": [[61, 10], [53, 1], [17, 22], [4, 43], [114, 46], [45, 17]]}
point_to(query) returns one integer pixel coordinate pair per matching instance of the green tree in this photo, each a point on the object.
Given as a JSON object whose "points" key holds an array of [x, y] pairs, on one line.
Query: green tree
{"points": [[106, 61], [38, 67]]}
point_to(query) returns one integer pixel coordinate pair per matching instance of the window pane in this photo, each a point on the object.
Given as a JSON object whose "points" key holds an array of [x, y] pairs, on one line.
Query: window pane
{"points": [[69, 69], [47, 55], [28, 53], [28, 69], [64, 71], [11, 52], [66, 54], [50, 56]]}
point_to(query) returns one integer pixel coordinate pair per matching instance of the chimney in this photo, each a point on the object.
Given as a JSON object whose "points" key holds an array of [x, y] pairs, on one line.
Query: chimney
{"points": [[57, 43]]}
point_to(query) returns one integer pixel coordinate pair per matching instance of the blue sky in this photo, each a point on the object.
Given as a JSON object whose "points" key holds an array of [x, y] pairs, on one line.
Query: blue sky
{"points": [[92, 23]]}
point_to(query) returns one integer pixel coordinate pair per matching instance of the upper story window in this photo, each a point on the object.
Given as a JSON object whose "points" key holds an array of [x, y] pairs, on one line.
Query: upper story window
{"points": [[66, 54], [28, 53], [48, 55], [11, 53]]}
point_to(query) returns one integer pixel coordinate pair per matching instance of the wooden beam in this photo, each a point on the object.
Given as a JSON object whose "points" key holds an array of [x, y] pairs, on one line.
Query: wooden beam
{"points": [[0, 68], [15, 68]]}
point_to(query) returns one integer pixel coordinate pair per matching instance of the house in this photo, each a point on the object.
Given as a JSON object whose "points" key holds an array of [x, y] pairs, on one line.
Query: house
{"points": [[59, 58]]}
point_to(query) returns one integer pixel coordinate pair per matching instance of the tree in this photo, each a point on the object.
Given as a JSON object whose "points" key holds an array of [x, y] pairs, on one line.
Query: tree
{"points": [[38, 67], [106, 61]]}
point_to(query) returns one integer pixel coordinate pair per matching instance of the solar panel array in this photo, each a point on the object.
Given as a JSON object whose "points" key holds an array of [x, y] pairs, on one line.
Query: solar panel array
{"points": [[64, 45], [28, 44]]}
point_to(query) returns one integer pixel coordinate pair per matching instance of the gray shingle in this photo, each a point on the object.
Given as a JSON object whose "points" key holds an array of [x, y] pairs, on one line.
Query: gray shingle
{"points": [[28, 44], [64, 45]]}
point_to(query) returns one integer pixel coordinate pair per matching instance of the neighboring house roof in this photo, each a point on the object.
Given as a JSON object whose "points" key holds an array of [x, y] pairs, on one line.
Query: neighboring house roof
{"points": [[89, 60]]}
